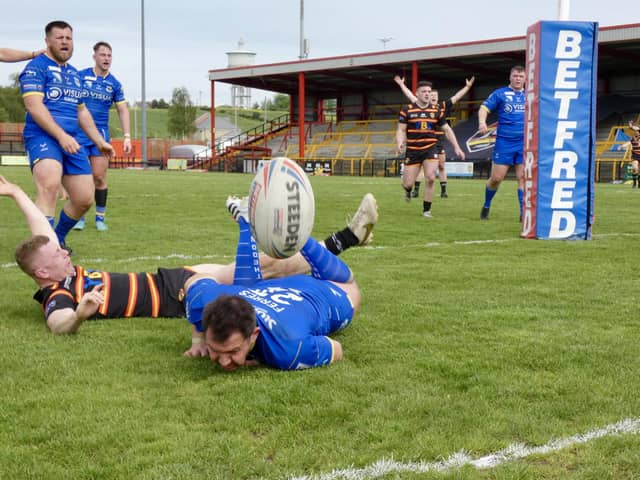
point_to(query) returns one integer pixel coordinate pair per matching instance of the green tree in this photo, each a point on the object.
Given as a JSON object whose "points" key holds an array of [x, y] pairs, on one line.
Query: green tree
{"points": [[11, 103], [181, 115], [280, 102]]}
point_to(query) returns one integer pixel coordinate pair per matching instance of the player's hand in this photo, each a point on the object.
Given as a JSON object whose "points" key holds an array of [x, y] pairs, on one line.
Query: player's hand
{"points": [[90, 303], [482, 128], [197, 350], [107, 150], [7, 189], [126, 145], [68, 143], [398, 79], [460, 153], [469, 81]]}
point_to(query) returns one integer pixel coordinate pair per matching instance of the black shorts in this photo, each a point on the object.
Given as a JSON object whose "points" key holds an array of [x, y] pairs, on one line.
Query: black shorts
{"points": [[170, 283], [417, 157]]}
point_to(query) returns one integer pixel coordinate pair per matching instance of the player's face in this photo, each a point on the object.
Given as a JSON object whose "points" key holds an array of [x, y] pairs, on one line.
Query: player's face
{"points": [[516, 80], [433, 96], [423, 95], [232, 353], [102, 58], [53, 263], [60, 44]]}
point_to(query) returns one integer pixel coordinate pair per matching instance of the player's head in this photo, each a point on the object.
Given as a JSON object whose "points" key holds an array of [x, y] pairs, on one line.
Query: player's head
{"points": [[517, 77], [102, 56], [230, 328], [59, 40], [43, 260], [433, 96], [423, 92]]}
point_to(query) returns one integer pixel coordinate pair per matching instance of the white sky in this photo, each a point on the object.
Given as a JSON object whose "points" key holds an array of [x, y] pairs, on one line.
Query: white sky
{"points": [[185, 39]]}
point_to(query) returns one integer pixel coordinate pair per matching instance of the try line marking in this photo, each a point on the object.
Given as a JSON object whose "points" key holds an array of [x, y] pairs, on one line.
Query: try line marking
{"points": [[512, 452], [89, 262]]}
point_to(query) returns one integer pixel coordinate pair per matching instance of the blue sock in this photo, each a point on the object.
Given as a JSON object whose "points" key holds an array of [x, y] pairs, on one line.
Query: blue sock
{"points": [[521, 199], [100, 213], [65, 224], [51, 221], [324, 264], [247, 271], [488, 196]]}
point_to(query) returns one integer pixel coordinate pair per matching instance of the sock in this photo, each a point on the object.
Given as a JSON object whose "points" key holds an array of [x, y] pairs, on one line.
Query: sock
{"points": [[338, 242], [488, 196], [324, 264], [65, 224], [426, 206], [51, 221], [416, 186], [101, 204], [521, 199], [247, 271], [443, 187], [635, 179]]}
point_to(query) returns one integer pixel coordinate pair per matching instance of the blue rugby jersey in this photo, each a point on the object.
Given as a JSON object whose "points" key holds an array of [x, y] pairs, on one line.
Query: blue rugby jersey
{"points": [[99, 94], [61, 89], [509, 104], [295, 314]]}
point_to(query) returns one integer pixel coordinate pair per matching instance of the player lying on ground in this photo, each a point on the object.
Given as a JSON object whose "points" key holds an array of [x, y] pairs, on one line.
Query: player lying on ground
{"points": [[283, 322], [72, 294]]}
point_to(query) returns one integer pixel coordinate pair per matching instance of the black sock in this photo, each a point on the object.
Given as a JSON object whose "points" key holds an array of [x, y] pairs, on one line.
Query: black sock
{"points": [[416, 186], [426, 206], [338, 242], [101, 197], [443, 186]]}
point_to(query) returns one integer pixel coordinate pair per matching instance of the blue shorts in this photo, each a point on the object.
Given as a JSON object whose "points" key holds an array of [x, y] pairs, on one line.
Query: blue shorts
{"points": [[43, 146], [508, 151], [91, 148]]}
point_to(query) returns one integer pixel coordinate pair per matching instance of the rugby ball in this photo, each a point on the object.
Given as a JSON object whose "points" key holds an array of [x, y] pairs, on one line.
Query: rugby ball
{"points": [[281, 207]]}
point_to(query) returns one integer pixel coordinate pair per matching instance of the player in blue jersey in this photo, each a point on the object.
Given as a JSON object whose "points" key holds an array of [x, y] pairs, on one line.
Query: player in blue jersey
{"points": [[283, 323], [102, 90], [508, 102], [53, 99], [10, 55]]}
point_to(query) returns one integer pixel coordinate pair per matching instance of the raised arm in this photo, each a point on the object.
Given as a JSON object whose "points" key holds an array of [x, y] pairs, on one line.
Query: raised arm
{"points": [[463, 91], [12, 55], [36, 221], [407, 92]]}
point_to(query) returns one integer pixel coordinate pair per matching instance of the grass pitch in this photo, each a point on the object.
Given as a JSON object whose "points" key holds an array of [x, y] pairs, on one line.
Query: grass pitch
{"points": [[469, 339]]}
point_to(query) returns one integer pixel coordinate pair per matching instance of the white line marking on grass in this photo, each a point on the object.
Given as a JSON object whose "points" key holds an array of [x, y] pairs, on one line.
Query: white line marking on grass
{"points": [[172, 256], [512, 452]]}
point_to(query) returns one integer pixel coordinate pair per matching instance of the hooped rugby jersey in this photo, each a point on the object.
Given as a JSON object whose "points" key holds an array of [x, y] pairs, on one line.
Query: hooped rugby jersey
{"points": [[635, 147], [157, 294], [421, 124], [61, 89]]}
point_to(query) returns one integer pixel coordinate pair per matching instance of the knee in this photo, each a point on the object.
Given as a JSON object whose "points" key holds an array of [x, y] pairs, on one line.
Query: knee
{"points": [[100, 181]]}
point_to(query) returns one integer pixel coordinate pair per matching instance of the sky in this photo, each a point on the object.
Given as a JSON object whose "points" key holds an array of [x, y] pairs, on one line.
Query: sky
{"points": [[185, 39]]}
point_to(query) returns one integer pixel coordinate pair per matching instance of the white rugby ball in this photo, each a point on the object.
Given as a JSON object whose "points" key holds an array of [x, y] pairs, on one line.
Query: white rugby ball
{"points": [[281, 207]]}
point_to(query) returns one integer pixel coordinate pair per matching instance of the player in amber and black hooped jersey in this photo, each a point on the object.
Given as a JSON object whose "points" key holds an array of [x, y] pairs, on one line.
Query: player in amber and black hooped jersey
{"points": [[446, 107], [634, 144], [53, 98], [101, 90], [417, 123]]}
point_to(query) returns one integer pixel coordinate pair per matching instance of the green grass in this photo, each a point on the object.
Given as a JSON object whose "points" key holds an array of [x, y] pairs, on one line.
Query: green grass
{"points": [[469, 339], [157, 120]]}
